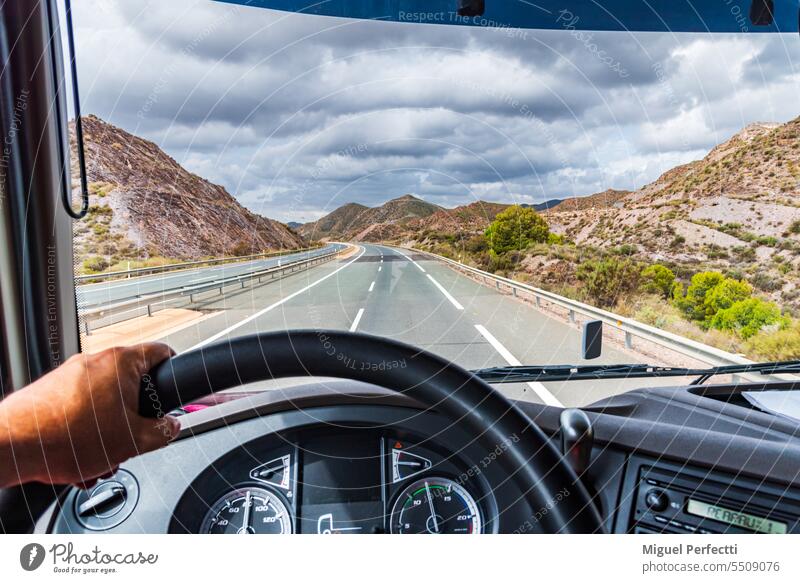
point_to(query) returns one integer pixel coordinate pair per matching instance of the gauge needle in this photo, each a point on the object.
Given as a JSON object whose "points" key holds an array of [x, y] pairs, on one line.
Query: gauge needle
{"points": [[433, 512], [246, 521]]}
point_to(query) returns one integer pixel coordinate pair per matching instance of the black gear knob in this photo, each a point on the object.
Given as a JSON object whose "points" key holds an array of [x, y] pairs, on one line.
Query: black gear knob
{"points": [[577, 438]]}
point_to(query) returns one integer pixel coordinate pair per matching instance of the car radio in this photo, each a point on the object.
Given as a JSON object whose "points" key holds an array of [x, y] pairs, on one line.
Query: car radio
{"points": [[667, 500]]}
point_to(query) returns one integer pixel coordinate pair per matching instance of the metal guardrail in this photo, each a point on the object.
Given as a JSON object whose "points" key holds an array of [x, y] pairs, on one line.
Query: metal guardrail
{"points": [[631, 328], [126, 274], [149, 301]]}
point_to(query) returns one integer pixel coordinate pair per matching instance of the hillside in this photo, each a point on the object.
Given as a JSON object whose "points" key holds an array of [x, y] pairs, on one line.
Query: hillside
{"points": [[737, 208], [470, 218], [356, 221], [736, 211], [145, 204]]}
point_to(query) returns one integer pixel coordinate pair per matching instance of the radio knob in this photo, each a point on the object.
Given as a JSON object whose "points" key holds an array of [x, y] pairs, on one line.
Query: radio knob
{"points": [[656, 500]]}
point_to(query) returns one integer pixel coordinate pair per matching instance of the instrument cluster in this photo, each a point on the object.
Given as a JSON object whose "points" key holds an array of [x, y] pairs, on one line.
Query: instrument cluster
{"points": [[352, 482]]}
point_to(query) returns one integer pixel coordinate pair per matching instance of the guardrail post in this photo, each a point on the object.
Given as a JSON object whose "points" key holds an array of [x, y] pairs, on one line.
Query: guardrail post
{"points": [[513, 289], [628, 340], [572, 316], [497, 284], [149, 311], [538, 302]]}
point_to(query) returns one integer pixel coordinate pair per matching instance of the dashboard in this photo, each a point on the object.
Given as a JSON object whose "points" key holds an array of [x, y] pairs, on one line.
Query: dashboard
{"points": [[340, 457]]}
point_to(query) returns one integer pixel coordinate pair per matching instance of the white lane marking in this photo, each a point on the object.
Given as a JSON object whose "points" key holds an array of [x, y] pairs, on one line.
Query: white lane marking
{"points": [[446, 293], [354, 325], [546, 396], [380, 267], [381, 259], [372, 286], [260, 313], [412, 261]]}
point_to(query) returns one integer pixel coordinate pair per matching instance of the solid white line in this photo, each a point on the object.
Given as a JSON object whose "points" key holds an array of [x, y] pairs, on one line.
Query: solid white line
{"points": [[446, 293], [260, 313], [354, 325], [412, 261], [372, 286], [546, 396]]}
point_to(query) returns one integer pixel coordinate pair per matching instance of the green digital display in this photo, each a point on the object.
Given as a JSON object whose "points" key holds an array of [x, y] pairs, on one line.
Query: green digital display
{"points": [[736, 518]]}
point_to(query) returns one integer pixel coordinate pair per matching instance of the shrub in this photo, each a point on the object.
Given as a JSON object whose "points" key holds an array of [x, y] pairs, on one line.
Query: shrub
{"points": [[723, 295], [746, 318], [766, 282], [657, 279], [476, 244], [95, 264], [607, 279], [693, 303], [516, 228], [783, 344]]}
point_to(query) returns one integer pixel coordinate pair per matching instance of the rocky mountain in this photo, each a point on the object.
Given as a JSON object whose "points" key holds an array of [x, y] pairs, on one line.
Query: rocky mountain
{"points": [[145, 204], [358, 222], [470, 218], [737, 210]]}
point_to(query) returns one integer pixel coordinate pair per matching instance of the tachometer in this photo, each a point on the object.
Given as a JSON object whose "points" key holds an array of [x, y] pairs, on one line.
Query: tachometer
{"points": [[248, 511], [435, 506]]}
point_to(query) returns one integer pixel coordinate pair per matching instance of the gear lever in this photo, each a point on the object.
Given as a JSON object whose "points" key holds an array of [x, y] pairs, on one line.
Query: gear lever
{"points": [[577, 438]]}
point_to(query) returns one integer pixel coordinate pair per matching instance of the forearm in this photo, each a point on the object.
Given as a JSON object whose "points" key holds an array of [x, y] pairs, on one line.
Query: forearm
{"points": [[17, 450]]}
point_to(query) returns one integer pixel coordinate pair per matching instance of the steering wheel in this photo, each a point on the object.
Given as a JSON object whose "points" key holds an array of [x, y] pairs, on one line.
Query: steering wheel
{"points": [[532, 463]]}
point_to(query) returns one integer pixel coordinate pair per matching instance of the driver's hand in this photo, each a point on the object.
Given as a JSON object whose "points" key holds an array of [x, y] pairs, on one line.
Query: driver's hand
{"points": [[78, 422]]}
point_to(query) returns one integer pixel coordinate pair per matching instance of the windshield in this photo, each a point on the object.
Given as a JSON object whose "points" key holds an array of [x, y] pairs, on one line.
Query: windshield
{"points": [[480, 192]]}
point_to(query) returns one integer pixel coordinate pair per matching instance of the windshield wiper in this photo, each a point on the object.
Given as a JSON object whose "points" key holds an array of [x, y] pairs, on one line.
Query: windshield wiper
{"points": [[569, 372]]}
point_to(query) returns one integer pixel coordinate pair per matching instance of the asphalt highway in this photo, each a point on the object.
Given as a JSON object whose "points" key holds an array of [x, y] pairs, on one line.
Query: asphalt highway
{"points": [[95, 294], [408, 297]]}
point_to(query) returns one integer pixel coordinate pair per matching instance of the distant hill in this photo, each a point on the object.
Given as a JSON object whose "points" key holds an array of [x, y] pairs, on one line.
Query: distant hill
{"points": [[354, 221], [145, 204], [606, 199]]}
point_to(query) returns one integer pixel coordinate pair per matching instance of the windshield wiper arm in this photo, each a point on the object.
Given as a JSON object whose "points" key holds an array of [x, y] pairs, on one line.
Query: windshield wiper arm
{"points": [[568, 372]]}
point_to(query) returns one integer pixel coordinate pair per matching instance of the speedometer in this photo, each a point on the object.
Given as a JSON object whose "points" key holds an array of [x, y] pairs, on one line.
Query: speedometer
{"points": [[435, 506], [248, 511]]}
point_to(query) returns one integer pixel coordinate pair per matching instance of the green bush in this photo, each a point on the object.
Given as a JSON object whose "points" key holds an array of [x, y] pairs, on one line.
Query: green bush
{"points": [[516, 228], [658, 279], [723, 295], [746, 318], [607, 279], [693, 303]]}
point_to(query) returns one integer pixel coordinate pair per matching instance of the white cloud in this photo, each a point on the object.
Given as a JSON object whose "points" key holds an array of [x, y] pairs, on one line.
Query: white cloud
{"points": [[296, 114]]}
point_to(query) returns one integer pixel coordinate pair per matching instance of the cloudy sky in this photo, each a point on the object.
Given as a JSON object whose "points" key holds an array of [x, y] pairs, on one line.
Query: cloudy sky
{"points": [[296, 115]]}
